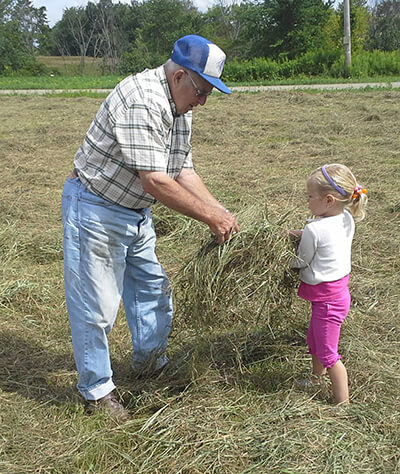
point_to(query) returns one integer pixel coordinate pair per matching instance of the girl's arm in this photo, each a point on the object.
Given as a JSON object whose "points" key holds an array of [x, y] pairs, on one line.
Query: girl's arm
{"points": [[306, 249]]}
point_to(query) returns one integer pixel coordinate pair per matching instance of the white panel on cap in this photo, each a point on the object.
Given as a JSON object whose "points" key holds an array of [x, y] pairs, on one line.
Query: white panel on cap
{"points": [[215, 61]]}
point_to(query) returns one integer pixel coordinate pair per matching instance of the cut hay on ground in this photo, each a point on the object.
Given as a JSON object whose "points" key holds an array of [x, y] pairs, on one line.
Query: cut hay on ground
{"points": [[247, 280]]}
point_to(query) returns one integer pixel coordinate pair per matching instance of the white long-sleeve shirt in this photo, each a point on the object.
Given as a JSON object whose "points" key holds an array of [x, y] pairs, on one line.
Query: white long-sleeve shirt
{"points": [[324, 252]]}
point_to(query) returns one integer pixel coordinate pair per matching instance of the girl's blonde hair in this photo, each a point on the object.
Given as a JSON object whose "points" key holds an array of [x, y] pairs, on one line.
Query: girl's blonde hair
{"points": [[338, 180]]}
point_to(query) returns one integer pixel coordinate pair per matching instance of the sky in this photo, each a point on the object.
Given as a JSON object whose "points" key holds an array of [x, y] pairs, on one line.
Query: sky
{"points": [[55, 8]]}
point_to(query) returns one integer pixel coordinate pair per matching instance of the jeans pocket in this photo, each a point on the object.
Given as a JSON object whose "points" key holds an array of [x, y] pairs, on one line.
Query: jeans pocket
{"points": [[91, 198]]}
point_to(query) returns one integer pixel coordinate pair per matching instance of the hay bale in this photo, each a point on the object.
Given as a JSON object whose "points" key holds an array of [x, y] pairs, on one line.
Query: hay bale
{"points": [[247, 280]]}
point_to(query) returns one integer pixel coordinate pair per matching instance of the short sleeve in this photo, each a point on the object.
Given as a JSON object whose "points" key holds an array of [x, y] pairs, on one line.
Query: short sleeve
{"points": [[142, 137]]}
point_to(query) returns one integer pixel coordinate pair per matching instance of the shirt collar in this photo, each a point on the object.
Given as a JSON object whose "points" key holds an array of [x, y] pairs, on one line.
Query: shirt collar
{"points": [[164, 82]]}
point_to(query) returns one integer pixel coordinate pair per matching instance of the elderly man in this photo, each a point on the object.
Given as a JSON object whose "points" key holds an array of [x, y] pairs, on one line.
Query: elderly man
{"points": [[137, 151]]}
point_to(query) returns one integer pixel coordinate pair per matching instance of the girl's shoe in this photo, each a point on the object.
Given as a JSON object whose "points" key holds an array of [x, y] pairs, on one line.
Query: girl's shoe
{"points": [[309, 381]]}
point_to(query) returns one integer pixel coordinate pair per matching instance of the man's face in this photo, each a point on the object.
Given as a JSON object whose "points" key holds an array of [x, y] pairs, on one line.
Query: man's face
{"points": [[189, 90]]}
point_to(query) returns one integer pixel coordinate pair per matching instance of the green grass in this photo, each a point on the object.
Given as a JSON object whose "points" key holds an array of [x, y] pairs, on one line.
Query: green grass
{"points": [[59, 82], [109, 82], [227, 403]]}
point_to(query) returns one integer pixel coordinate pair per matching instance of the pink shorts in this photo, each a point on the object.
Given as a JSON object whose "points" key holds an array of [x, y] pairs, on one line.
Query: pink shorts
{"points": [[324, 330]]}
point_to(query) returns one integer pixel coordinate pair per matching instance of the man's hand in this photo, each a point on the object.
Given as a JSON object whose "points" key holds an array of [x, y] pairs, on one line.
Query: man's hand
{"points": [[224, 225]]}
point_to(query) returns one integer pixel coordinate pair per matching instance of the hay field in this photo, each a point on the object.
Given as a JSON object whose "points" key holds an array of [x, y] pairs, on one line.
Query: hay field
{"points": [[70, 65], [227, 404]]}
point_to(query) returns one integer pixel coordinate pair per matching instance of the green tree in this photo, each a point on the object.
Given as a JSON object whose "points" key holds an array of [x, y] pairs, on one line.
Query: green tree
{"points": [[75, 33], [21, 29], [224, 24], [288, 28], [359, 24], [31, 22], [163, 21], [385, 26], [333, 32], [111, 36], [46, 45], [13, 54]]}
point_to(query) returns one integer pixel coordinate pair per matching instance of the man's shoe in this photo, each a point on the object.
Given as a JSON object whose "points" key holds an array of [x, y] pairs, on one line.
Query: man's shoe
{"points": [[110, 405]]}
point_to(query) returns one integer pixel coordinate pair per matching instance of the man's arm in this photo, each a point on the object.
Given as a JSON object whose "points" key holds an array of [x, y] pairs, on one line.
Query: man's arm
{"points": [[189, 196], [191, 181]]}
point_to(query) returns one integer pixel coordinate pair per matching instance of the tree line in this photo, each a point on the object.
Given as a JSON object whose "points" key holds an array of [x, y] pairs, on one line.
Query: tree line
{"points": [[129, 38]]}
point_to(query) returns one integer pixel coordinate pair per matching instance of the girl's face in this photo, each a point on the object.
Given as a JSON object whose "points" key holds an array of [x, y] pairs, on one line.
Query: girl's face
{"points": [[318, 205]]}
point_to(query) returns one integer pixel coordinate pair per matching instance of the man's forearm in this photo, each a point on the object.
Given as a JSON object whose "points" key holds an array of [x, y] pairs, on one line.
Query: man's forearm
{"points": [[192, 182], [196, 204], [173, 195]]}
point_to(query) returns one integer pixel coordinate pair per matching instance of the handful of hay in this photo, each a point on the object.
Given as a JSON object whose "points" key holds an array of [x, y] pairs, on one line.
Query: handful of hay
{"points": [[246, 281]]}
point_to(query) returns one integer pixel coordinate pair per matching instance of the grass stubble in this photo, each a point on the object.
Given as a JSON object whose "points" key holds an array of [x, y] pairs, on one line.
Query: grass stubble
{"points": [[227, 402]]}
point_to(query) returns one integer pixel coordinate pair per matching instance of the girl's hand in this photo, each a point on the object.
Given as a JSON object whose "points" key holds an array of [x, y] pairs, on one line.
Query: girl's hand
{"points": [[295, 233]]}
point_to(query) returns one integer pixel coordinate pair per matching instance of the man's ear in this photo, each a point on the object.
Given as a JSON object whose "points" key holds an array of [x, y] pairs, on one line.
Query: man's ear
{"points": [[178, 76]]}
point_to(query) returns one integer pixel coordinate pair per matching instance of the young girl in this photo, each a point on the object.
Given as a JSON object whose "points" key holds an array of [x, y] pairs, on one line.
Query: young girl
{"points": [[324, 260]]}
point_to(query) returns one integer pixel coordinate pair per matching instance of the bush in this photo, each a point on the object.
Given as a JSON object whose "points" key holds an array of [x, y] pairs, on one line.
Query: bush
{"points": [[236, 71], [265, 69], [34, 68], [376, 63], [255, 69], [316, 63], [313, 64]]}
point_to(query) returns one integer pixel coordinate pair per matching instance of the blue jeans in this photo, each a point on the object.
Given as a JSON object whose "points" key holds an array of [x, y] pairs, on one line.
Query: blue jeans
{"points": [[109, 253]]}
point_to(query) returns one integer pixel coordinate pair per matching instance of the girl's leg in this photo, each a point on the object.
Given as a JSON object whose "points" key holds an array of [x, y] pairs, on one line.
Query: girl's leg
{"points": [[340, 386], [318, 368], [327, 319]]}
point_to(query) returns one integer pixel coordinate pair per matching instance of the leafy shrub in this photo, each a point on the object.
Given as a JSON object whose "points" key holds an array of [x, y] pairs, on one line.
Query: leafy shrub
{"points": [[34, 68], [236, 71], [255, 69], [313, 63], [376, 63]]}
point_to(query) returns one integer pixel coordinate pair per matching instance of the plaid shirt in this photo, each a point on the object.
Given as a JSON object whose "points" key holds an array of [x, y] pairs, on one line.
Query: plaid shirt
{"points": [[136, 128]]}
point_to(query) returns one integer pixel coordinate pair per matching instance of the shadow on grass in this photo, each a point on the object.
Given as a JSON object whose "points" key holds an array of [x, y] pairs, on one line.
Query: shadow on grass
{"points": [[254, 360], [34, 371]]}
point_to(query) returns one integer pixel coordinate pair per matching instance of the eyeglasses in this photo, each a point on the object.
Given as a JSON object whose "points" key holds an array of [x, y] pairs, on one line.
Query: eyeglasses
{"points": [[199, 92]]}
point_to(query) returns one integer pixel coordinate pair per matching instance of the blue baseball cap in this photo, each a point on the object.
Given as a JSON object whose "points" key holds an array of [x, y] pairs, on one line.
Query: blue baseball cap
{"points": [[203, 57]]}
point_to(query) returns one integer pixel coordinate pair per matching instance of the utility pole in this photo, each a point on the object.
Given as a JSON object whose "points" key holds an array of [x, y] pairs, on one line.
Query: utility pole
{"points": [[347, 38]]}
